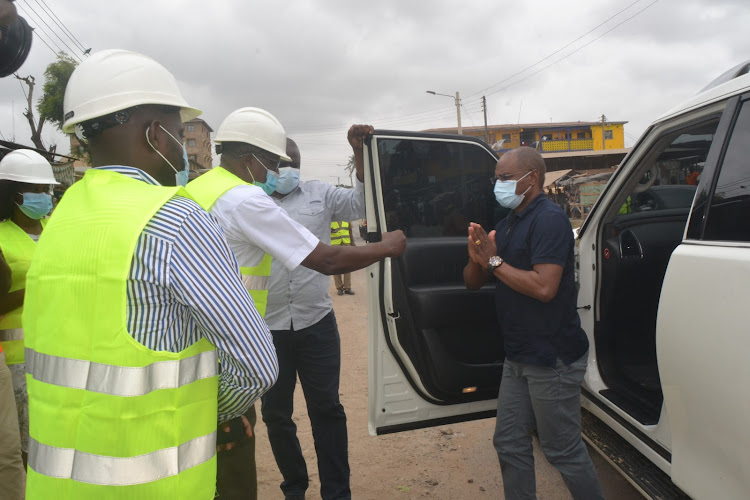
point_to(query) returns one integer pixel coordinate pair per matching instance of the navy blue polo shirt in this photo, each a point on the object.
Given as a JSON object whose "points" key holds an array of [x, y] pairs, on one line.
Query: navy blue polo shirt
{"points": [[535, 332]]}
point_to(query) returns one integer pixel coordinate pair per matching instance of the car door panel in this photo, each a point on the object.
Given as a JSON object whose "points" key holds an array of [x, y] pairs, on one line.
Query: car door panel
{"points": [[704, 368], [438, 348]]}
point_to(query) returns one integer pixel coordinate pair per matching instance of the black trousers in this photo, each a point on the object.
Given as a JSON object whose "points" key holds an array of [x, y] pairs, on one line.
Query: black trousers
{"points": [[236, 476], [313, 353]]}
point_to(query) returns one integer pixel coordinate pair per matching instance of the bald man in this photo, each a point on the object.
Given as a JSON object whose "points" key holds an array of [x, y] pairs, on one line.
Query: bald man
{"points": [[530, 254]]}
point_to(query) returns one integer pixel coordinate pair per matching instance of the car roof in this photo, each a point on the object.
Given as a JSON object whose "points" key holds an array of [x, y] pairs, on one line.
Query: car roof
{"points": [[723, 87]]}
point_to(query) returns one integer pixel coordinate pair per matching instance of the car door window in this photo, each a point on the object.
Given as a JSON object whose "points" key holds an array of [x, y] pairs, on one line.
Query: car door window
{"points": [[435, 188], [669, 179], [729, 212]]}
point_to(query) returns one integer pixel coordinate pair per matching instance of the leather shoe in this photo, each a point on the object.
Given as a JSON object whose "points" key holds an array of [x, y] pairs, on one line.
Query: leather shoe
{"points": [[340, 292], [349, 292]]}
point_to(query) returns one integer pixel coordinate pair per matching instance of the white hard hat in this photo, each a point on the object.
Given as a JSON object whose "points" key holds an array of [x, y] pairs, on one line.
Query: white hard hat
{"points": [[113, 80], [254, 126], [24, 165]]}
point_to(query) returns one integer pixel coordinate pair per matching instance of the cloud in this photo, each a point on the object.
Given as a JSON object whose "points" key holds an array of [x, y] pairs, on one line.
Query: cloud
{"points": [[320, 66]]}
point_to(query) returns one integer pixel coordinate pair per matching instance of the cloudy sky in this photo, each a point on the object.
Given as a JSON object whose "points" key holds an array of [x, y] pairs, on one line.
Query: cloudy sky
{"points": [[320, 66]]}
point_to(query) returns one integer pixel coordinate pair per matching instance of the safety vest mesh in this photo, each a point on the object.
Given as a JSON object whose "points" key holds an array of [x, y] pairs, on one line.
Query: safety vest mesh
{"points": [[208, 188], [18, 249], [340, 233], [109, 418]]}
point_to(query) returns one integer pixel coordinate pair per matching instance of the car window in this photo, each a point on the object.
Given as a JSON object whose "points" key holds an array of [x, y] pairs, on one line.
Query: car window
{"points": [[729, 212], [435, 188], [669, 177]]}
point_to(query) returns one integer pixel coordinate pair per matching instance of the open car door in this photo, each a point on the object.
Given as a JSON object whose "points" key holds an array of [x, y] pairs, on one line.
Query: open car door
{"points": [[435, 350]]}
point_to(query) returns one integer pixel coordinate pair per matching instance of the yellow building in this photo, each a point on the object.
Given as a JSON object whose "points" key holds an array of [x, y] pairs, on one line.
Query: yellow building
{"points": [[549, 137]]}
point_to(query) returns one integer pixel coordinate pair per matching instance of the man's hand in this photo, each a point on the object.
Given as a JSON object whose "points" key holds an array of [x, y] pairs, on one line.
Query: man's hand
{"points": [[225, 428], [395, 242], [482, 246], [357, 134]]}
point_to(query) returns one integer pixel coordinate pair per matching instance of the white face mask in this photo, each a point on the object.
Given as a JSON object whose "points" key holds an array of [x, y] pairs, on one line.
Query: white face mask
{"points": [[181, 176], [505, 193], [288, 180]]}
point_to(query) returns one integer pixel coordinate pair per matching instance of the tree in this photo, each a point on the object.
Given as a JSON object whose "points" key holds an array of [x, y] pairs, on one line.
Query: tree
{"points": [[350, 167], [56, 78], [50, 105]]}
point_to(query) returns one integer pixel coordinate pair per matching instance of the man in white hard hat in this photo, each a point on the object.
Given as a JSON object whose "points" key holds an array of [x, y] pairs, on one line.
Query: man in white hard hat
{"points": [[302, 322], [132, 297], [252, 143]]}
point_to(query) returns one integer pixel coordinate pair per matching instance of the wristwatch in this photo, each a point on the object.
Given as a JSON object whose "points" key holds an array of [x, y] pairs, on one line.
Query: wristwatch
{"points": [[494, 262]]}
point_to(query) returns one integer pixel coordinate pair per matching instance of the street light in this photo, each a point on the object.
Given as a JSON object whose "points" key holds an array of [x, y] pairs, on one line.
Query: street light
{"points": [[458, 107]]}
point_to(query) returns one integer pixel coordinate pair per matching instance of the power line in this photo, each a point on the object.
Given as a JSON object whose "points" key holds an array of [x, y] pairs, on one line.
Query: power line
{"points": [[38, 30], [43, 5], [576, 50], [558, 50], [72, 52]]}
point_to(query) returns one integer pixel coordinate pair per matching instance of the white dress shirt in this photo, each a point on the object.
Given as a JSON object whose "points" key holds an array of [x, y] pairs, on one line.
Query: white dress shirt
{"points": [[299, 296], [254, 225]]}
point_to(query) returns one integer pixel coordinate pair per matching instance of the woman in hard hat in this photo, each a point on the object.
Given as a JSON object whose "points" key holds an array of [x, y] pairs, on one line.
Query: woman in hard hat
{"points": [[25, 201]]}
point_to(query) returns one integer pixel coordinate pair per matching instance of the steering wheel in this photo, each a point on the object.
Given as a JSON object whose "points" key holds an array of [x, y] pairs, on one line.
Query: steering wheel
{"points": [[647, 180]]}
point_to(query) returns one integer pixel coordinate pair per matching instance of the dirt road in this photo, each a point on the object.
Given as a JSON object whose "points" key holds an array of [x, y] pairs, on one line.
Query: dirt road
{"points": [[450, 462]]}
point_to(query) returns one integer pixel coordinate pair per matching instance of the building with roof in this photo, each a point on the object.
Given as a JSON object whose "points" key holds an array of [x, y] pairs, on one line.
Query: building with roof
{"points": [[549, 137], [198, 144], [564, 145]]}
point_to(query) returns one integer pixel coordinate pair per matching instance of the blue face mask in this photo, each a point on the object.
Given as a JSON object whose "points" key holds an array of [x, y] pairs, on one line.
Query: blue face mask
{"points": [[288, 180], [181, 176], [272, 178], [505, 193], [36, 205]]}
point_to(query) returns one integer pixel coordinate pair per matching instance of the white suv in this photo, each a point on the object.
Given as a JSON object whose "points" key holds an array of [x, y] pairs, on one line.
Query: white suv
{"points": [[664, 276]]}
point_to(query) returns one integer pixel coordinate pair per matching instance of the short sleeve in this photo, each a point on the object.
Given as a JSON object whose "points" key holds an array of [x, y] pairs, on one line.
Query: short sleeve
{"points": [[551, 239]]}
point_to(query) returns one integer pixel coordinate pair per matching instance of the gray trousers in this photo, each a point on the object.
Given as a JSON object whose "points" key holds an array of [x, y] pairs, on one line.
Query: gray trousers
{"points": [[548, 399], [12, 473]]}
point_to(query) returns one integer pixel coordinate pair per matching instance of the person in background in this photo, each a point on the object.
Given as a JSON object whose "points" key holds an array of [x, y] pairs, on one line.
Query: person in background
{"points": [[12, 473], [305, 333], [25, 181], [252, 143], [530, 254], [341, 234], [140, 336]]}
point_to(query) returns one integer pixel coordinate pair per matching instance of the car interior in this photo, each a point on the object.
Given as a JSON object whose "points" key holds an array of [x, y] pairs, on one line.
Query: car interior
{"points": [[638, 237]]}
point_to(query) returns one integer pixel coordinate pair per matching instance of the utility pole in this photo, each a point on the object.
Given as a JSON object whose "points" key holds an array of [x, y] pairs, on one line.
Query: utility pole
{"points": [[486, 132], [458, 113], [604, 141]]}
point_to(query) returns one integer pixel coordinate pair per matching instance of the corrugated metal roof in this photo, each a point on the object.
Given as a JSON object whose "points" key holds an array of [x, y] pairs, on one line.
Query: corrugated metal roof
{"points": [[597, 152], [552, 177]]}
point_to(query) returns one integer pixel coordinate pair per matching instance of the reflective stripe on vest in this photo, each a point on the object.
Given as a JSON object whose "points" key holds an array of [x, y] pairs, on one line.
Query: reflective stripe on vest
{"points": [[11, 334], [208, 188], [18, 250], [125, 381], [69, 463], [109, 417]]}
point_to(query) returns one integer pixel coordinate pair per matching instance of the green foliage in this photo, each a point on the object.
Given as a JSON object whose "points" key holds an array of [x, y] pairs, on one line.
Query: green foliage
{"points": [[56, 78]]}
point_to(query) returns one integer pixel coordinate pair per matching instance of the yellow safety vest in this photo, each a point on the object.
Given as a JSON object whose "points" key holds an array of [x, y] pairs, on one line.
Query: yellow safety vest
{"points": [[109, 418], [18, 249], [208, 188], [340, 233]]}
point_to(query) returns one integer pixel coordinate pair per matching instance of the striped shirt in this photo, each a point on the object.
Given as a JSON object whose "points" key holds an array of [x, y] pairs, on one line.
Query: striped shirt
{"points": [[184, 284]]}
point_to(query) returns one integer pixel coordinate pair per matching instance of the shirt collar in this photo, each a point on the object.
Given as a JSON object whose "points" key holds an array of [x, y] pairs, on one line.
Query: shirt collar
{"points": [[132, 172], [531, 206]]}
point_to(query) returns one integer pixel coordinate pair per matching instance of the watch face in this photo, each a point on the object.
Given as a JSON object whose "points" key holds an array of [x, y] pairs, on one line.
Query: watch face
{"points": [[495, 261]]}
